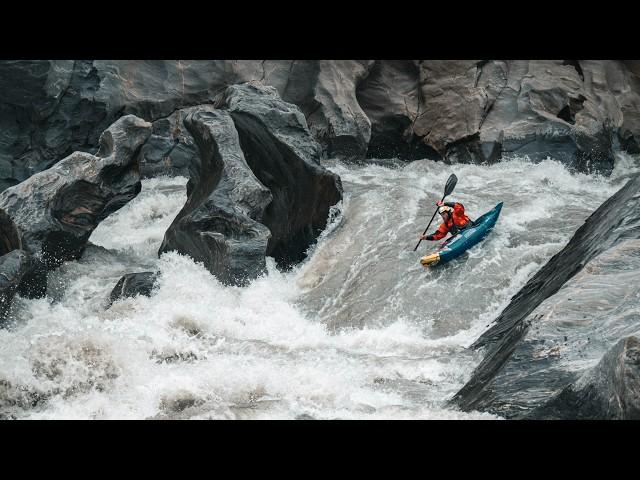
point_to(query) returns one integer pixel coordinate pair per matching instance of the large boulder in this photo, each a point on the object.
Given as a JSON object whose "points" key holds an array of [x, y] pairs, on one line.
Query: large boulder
{"points": [[609, 391], [285, 158], [220, 222], [258, 189], [523, 364], [53, 213]]}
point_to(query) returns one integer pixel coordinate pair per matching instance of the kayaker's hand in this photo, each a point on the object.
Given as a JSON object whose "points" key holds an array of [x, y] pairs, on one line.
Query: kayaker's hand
{"points": [[439, 203], [423, 237]]}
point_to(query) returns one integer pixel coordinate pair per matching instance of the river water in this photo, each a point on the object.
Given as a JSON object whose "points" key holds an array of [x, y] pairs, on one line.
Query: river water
{"points": [[359, 330]]}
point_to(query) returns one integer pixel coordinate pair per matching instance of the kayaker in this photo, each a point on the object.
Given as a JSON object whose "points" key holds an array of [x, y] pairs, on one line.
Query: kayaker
{"points": [[453, 220]]}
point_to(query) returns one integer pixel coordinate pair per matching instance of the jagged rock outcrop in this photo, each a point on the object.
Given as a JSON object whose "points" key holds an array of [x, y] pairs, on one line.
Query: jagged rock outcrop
{"points": [[282, 154], [513, 363], [49, 109], [609, 391], [576, 111], [52, 214], [133, 284], [260, 189], [573, 111], [338, 120], [391, 98], [13, 267], [170, 148], [220, 222]]}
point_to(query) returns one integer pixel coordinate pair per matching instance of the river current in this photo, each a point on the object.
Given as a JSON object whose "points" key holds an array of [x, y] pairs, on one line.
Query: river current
{"points": [[359, 330]]}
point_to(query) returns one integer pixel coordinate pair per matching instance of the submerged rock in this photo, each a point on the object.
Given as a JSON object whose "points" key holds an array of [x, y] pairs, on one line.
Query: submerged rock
{"points": [[220, 222], [609, 391], [53, 213], [133, 284], [515, 376]]}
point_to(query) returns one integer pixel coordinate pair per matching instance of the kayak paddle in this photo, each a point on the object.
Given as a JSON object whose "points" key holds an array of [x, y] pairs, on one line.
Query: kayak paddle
{"points": [[448, 188]]}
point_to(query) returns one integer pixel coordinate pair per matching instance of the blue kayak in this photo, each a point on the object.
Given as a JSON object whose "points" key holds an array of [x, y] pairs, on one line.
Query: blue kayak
{"points": [[467, 238]]}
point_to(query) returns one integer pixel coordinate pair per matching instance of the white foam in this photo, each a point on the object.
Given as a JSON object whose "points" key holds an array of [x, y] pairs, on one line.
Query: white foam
{"points": [[359, 330]]}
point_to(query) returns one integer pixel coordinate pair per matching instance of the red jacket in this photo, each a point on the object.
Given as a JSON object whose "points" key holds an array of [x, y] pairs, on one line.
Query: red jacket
{"points": [[456, 222]]}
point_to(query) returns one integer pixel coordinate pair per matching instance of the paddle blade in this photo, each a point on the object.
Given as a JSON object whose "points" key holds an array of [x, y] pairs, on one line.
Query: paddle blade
{"points": [[451, 184]]}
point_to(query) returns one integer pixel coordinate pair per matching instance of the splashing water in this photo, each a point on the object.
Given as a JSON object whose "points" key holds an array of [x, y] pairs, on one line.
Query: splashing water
{"points": [[358, 330]]}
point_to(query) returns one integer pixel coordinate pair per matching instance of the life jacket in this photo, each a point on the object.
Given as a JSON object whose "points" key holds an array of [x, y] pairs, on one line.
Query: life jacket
{"points": [[457, 222]]}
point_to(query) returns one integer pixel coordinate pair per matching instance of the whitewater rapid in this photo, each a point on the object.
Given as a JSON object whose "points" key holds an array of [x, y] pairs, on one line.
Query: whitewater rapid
{"points": [[358, 330]]}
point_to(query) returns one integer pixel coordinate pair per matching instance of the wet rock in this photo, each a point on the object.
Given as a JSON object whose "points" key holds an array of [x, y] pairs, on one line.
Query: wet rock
{"points": [[170, 149], [179, 401], [54, 212], [390, 97], [304, 416], [568, 110], [49, 109], [133, 284], [339, 123], [284, 157], [609, 391], [13, 268], [325, 92], [576, 111], [220, 222], [490, 382]]}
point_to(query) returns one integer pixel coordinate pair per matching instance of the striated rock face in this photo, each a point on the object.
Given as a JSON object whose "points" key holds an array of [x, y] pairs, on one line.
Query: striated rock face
{"points": [[533, 349], [392, 100], [609, 391], [52, 214], [132, 284], [282, 154], [49, 109], [340, 123], [573, 111], [220, 222], [577, 111]]}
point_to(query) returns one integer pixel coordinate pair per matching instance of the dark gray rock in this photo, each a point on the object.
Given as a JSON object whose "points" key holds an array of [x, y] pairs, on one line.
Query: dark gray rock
{"points": [[609, 391], [325, 92], [133, 284], [509, 365], [13, 267], [390, 97], [282, 154], [49, 109], [53, 213], [220, 222], [339, 124], [469, 111], [569, 110], [170, 149]]}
